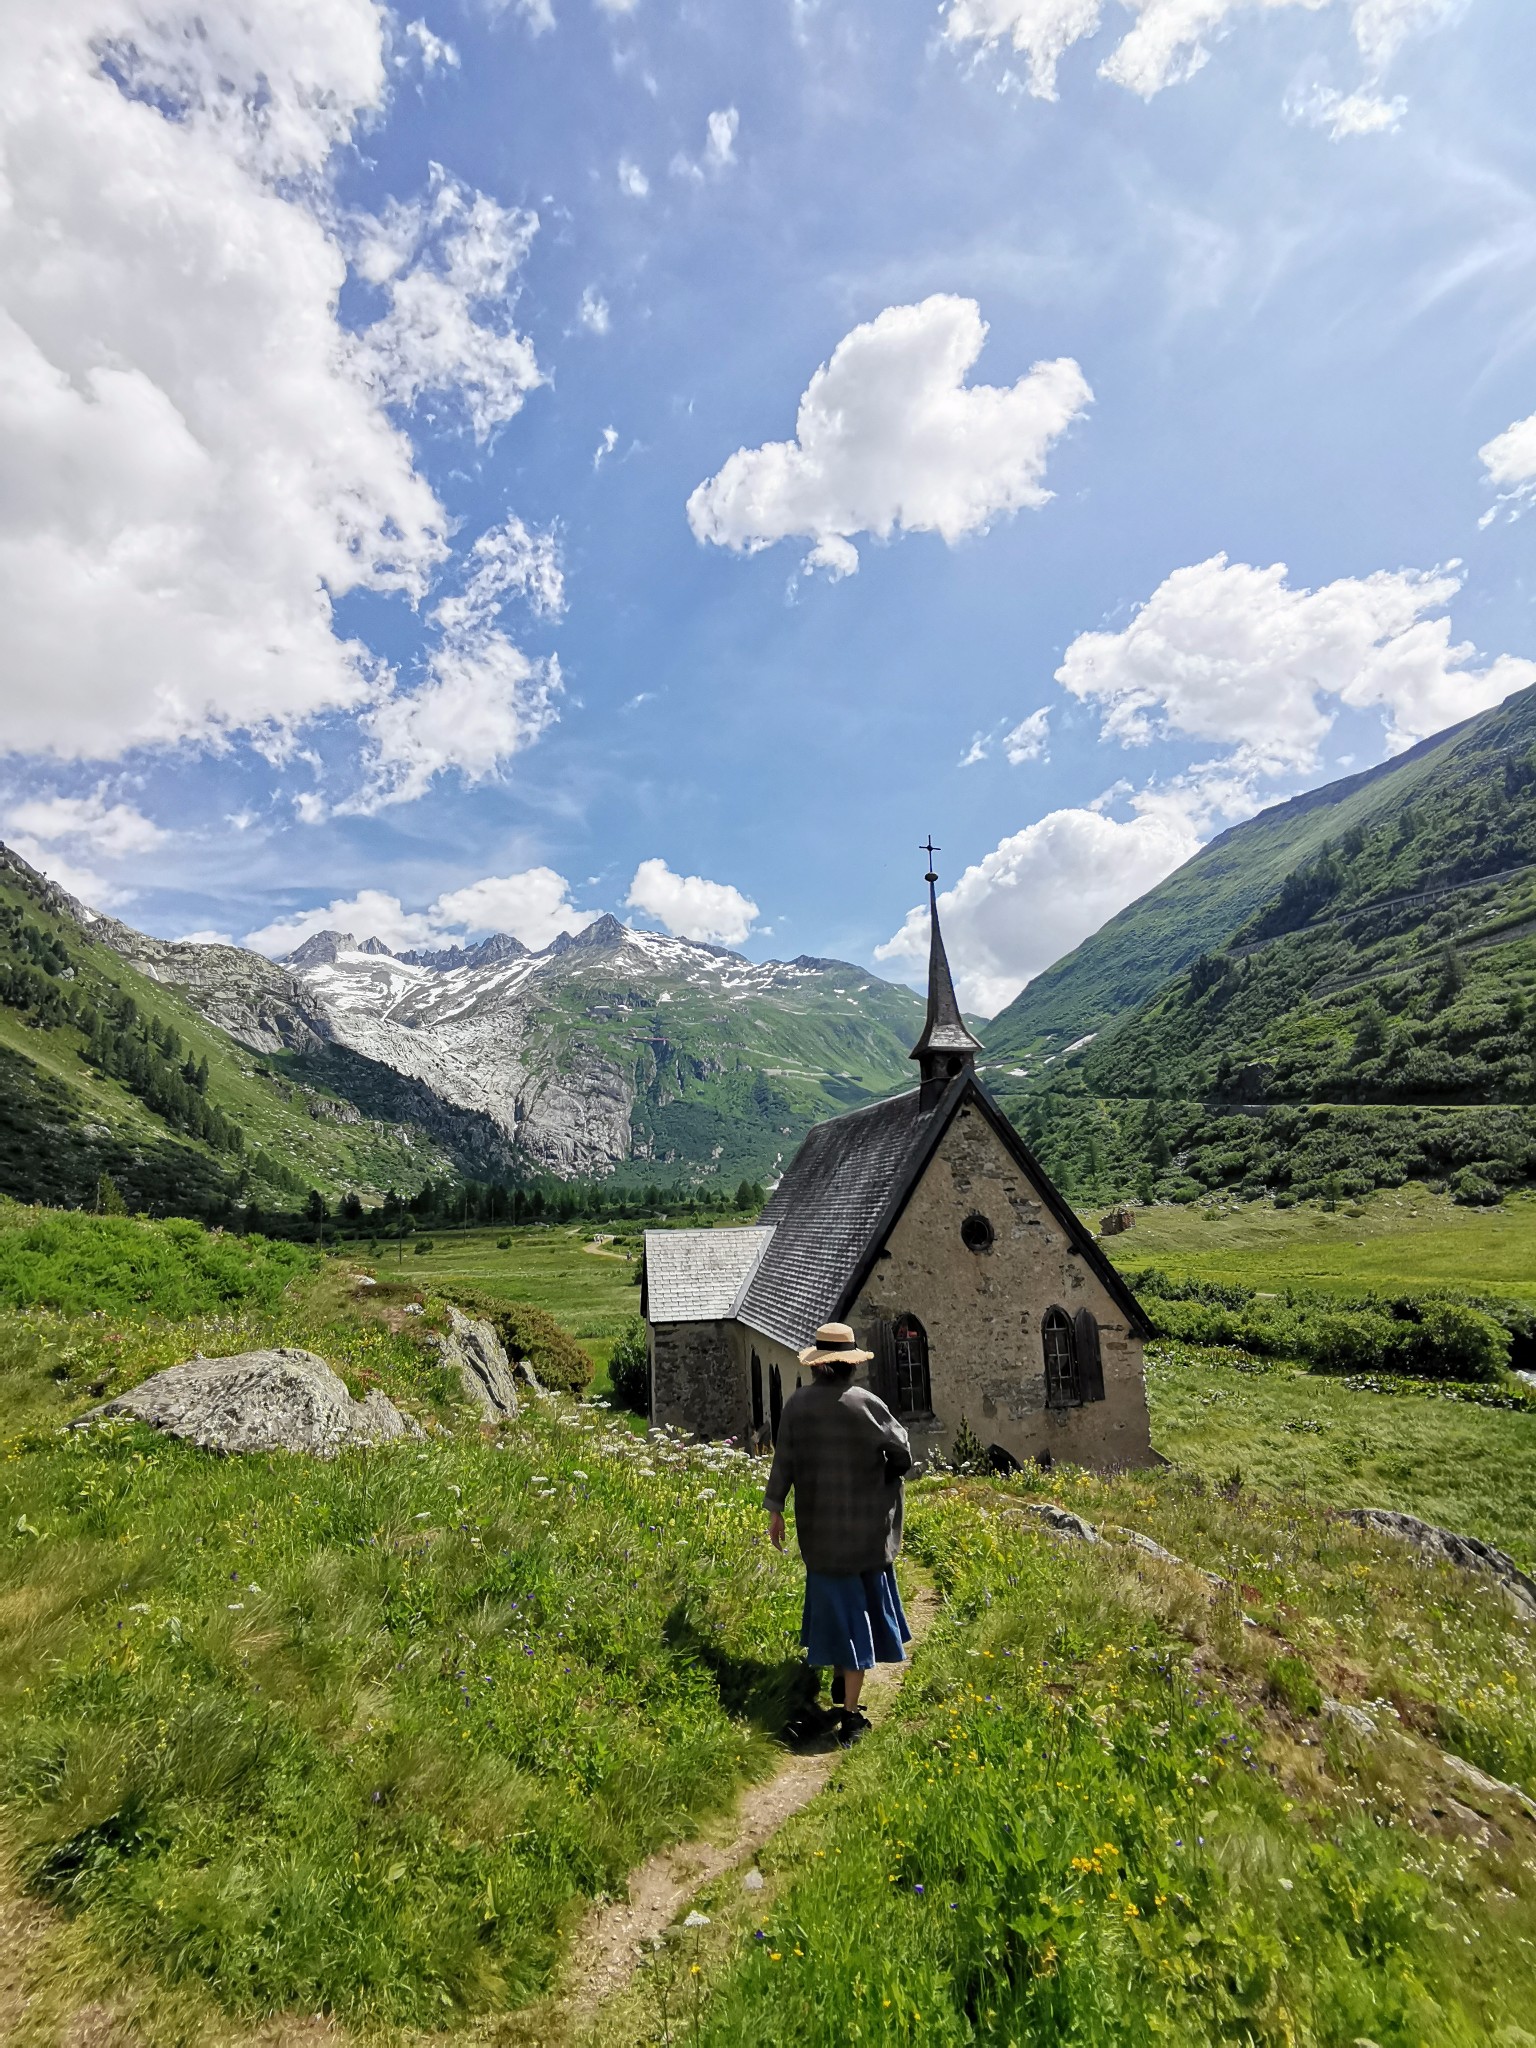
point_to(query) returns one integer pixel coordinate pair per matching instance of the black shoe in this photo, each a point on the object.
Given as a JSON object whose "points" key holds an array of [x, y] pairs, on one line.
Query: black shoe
{"points": [[854, 1726]]}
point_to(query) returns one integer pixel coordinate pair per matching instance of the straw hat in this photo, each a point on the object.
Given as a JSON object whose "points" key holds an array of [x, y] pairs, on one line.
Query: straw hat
{"points": [[835, 1345]]}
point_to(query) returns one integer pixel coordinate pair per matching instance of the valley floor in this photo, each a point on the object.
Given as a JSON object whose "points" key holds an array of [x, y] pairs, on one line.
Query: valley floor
{"points": [[296, 1754]]}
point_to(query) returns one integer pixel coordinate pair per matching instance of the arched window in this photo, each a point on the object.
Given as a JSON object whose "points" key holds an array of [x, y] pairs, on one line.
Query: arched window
{"points": [[909, 1345], [1061, 1381], [775, 1401], [757, 1391]]}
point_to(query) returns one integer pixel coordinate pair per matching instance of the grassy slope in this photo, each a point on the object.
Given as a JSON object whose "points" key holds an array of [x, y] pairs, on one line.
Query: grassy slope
{"points": [[306, 1758], [319, 1151], [1198, 908]]}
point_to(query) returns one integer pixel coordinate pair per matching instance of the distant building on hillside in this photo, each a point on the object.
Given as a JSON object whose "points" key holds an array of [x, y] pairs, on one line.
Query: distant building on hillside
{"points": [[926, 1223]]}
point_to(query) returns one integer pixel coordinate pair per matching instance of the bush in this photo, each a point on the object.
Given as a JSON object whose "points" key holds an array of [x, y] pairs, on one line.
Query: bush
{"points": [[1473, 1191], [62, 1260], [1451, 1342], [423, 1246], [1358, 1343], [531, 1333], [629, 1368], [503, 1244]]}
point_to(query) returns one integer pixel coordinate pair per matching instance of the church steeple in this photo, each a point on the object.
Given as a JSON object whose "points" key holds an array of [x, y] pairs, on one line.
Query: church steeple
{"points": [[947, 1047]]}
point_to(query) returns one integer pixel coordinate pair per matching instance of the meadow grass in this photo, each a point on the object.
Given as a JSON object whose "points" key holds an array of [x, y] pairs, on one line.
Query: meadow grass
{"points": [[360, 1737], [1401, 1239], [58, 1259], [1088, 1822]]}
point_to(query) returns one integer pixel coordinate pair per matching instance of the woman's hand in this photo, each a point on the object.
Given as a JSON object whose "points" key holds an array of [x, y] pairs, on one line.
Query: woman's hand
{"points": [[776, 1530]]}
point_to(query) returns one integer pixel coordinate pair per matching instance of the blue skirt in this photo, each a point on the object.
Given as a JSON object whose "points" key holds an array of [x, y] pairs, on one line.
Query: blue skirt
{"points": [[854, 1622]]}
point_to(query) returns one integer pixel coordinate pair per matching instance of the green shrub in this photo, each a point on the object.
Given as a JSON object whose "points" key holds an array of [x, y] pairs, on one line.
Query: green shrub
{"points": [[503, 1244], [629, 1368], [1473, 1191], [531, 1333], [1452, 1342], [121, 1265], [423, 1246], [1354, 1343], [1291, 1683]]}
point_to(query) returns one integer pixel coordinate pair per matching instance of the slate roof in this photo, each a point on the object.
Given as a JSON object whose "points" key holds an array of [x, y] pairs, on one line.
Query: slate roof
{"points": [[841, 1198], [827, 1208], [698, 1276]]}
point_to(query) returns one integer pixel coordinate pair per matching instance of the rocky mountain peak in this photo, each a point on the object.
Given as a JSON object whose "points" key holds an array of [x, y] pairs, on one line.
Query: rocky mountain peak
{"points": [[492, 952], [597, 937], [376, 946], [320, 950]]}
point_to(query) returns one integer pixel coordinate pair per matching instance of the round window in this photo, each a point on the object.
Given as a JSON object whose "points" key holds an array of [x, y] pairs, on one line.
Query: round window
{"points": [[977, 1234]]}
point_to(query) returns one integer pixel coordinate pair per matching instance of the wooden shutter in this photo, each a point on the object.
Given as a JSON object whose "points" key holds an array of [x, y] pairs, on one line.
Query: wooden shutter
{"points": [[1090, 1362], [884, 1348]]}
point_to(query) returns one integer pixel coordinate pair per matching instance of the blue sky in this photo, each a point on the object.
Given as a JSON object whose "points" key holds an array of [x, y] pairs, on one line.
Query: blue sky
{"points": [[347, 545]]}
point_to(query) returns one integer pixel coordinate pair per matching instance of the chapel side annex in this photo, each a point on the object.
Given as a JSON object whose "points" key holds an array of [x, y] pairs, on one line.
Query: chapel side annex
{"points": [[926, 1223]]}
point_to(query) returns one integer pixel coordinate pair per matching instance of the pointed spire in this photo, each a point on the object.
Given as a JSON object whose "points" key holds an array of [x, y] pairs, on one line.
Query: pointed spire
{"points": [[947, 1046]]}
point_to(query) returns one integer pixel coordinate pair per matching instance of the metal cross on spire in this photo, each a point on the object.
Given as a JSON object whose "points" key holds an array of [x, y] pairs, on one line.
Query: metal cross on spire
{"points": [[930, 849]]}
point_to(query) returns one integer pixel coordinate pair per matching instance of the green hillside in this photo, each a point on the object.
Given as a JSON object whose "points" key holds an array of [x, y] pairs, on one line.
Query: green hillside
{"points": [[105, 1072], [1369, 1020], [1199, 906]]}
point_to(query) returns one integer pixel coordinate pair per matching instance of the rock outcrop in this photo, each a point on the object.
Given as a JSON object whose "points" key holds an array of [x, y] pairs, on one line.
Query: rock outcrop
{"points": [[475, 1352], [1468, 1553], [283, 1400], [1114, 1221]]}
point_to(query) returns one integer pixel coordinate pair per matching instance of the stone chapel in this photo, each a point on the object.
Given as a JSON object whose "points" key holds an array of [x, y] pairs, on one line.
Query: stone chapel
{"points": [[926, 1223]]}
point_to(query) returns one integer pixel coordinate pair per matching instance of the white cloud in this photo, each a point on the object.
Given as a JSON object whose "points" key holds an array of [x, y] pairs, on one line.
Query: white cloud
{"points": [[533, 906], [435, 54], [88, 823], [1041, 892], [1030, 738], [1225, 652], [617, 7], [92, 888], [1170, 40], [720, 132], [506, 561], [445, 264], [1510, 460], [485, 700], [204, 938], [890, 437], [690, 907], [195, 470], [1346, 114], [632, 180], [593, 311], [605, 447], [978, 750]]}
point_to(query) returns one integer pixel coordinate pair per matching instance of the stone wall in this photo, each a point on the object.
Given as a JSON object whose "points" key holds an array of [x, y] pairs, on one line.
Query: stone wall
{"points": [[698, 1379], [982, 1311]]}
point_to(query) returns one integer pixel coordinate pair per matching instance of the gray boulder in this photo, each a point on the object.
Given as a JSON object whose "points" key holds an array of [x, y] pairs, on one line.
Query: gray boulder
{"points": [[1062, 1521], [475, 1352], [1469, 1553], [284, 1400]]}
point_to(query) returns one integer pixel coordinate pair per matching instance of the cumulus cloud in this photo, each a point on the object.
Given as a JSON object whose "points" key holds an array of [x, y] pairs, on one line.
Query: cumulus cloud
{"points": [[632, 180], [111, 831], [690, 907], [593, 311], [196, 469], [1042, 891], [1030, 738], [484, 701], [506, 561], [1225, 652], [533, 906], [444, 264], [890, 437], [204, 938], [1170, 40], [1510, 460]]}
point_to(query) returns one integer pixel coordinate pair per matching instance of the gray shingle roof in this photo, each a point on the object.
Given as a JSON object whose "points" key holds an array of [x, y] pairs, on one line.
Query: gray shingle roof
{"points": [[824, 1212], [697, 1276]]}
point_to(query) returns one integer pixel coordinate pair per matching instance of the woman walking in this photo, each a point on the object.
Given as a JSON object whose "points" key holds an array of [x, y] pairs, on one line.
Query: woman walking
{"points": [[842, 1453]]}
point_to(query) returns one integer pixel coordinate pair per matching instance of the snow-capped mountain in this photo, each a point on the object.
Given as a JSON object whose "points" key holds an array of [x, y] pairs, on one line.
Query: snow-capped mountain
{"points": [[608, 1047]]}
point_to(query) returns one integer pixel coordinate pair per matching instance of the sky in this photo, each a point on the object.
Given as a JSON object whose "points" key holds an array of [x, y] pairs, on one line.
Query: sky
{"points": [[475, 467]]}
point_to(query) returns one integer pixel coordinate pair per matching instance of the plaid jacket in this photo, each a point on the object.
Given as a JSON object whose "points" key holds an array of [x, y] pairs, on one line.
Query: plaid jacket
{"points": [[831, 1450]]}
